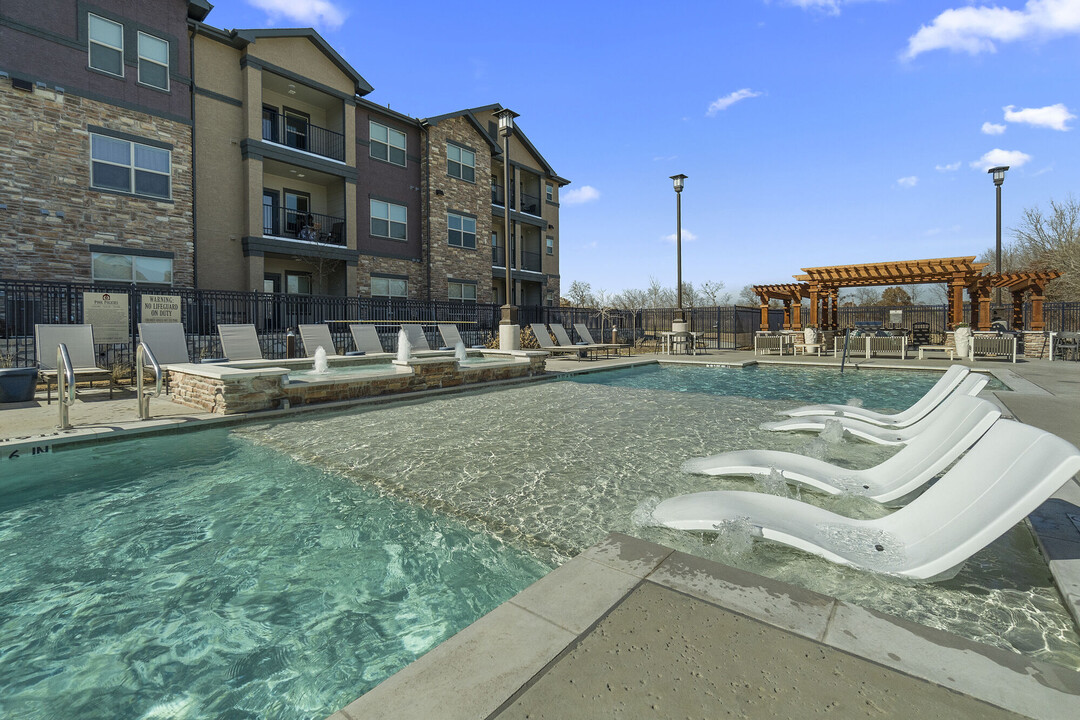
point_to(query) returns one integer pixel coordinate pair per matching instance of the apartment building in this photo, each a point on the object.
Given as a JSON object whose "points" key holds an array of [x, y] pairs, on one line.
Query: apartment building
{"points": [[96, 143]]}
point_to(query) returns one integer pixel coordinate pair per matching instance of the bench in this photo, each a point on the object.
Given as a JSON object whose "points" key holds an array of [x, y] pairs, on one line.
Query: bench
{"points": [[944, 348]]}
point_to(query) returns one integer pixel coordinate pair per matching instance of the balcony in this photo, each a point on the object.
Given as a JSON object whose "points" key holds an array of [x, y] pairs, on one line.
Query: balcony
{"points": [[530, 204], [498, 257], [299, 134], [530, 261], [306, 226], [498, 197]]}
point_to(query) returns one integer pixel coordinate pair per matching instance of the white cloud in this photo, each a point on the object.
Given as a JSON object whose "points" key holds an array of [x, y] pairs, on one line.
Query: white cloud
{"points": [[976, 29], [951, 167], [990, 128], [1051, 116], [306, 13], [909, 182], [687, 236], [996, 157], [832, 7], [578, 196], [728, 100]]}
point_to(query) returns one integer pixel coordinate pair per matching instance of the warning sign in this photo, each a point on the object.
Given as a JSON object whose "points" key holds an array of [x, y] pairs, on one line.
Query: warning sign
{"points": [[160, 308]]}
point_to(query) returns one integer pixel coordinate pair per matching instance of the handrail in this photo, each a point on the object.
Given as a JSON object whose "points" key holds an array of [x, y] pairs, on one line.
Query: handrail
{"points": [[142, 354], [843, 358], [65, 385]]}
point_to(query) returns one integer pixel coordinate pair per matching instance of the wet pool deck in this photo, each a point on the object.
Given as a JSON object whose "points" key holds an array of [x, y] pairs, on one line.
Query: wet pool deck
{"points": [[632, 629]]}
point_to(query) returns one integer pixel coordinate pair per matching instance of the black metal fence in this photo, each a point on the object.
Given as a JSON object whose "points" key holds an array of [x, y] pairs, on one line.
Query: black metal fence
{"points": [[26, 304]]}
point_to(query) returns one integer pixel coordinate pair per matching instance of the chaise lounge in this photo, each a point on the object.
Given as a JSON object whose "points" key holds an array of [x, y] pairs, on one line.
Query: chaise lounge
{"points": [[239, 342], [79, 340]]}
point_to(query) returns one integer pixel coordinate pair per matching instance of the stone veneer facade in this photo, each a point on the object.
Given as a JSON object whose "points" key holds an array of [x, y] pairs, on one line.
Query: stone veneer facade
{"points": [[470, 198], [45, 166]]}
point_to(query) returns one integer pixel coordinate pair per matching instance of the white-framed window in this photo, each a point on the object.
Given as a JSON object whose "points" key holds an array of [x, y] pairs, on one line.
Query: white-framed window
{"points": [[130, 167], [389, 287], [460, 163], [153, 61], [298, 283], [387, 144], [389, 220], [463, 291], [110, 267], [106, 45], [550, 190], [550, 245], [550, 299], [461, 230]]}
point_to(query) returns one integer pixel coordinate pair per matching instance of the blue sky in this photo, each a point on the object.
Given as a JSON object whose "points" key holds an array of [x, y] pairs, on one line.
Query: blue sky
{"points": [[813, 132]]}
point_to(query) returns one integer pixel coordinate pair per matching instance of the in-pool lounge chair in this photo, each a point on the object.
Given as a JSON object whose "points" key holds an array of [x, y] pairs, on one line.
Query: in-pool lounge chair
{"points": [[945, 385], [543, 337], [451, 337], [416, 336], [79, 340], [970, 385], [366, 338], [1006, 475], [316, 336], [948, 436], [583, 333], [239, 342]]}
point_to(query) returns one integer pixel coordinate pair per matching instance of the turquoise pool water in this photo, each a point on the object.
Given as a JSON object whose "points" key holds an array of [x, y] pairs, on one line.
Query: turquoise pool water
{"points": [[281, 570]]}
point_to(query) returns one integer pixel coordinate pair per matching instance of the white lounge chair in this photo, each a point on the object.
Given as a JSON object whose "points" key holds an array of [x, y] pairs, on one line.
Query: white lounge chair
{"points": [[945, 385], [366, 338], [239, 342], [167, 341], [316, 336], [970, 385], [416, 336], [583, 332], [563, 339], [451, 336], [79, 340], [1003, 478], [543, 337], [948, 435]]}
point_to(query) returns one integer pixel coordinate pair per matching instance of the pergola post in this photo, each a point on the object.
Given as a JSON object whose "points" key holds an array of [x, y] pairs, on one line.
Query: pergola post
{"points": [[764, 314], [980, 306], [956, 302], [814, 306], [834, 301], [1018, 310], [796, 314], [787, 314]]}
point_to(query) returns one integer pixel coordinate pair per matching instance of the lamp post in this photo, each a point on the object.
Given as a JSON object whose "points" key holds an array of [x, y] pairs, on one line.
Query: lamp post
{"points": [[999, 178], [678, 180], [509, 338]]}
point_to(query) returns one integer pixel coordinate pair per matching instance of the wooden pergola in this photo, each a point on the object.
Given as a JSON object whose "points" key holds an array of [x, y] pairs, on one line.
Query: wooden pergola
{"points": [[822, 286]]}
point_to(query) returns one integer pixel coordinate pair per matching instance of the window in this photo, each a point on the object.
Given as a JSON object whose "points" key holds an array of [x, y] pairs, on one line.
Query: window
{"points": [[463, 291], [461, 230], [131, 268], [106, 45], [460, 163], [298, 283], [550, 300], [387, 144], [388, 220], [550, 245], [389, 287], [550, 192], [129, 167], [153, 61]]}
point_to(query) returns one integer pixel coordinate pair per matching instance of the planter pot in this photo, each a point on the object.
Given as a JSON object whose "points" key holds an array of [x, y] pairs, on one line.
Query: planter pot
{"points": [[810, 335], [17, 384], [962, 335]]}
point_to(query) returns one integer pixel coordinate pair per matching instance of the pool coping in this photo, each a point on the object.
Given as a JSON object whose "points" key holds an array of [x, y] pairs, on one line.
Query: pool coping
{"points": [[480, 671]]}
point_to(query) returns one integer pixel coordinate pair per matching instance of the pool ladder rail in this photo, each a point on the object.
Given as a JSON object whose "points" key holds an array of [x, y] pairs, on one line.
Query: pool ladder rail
{"points": [[65, 385], [142, 354]]}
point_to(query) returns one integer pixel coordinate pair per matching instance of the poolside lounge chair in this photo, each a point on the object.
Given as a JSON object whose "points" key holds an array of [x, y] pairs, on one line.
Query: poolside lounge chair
{"points": [[416, 336], [945, 385], [366, 338], [951, 433], [1003, 478], [544, 338], [563, 339], [239, 342], [79, 340], [584, 334], [167, 342], [970, 385], [316, 336], [451, 337]]}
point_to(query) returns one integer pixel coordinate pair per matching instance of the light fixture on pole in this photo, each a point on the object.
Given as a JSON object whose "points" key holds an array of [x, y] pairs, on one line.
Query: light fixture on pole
{"points": [[678, 180], [999, 178], [506, 117]]}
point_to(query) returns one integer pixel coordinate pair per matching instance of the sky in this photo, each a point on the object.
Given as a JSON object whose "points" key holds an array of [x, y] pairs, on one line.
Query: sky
{"points": [[812, 132]]}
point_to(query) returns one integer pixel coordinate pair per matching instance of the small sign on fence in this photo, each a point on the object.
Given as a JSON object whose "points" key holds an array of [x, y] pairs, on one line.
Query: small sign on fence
{"points": [[160, 308], [108, 313], [896, 317]]}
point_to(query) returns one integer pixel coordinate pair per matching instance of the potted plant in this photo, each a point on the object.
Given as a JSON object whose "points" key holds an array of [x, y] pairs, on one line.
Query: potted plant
{"points": [[962, 335], [810, 335], [17, 384]]}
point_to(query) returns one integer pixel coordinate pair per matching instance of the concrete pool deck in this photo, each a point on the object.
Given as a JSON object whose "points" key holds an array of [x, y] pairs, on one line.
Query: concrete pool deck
{"points": [[633, 629]]}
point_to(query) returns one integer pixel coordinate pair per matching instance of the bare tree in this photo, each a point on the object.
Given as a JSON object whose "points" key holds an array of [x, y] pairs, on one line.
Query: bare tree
{"points": [[712, 293], [579, 294], [1052, 242]]}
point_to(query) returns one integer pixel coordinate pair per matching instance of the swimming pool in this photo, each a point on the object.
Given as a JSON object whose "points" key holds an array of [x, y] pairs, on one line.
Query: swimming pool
{"points": [[280, 570]]}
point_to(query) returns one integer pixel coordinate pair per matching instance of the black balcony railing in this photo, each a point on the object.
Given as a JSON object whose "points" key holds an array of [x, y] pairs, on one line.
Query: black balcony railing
{"points": [[498, 257], [530, 204], [312, 227], [297, 132], [498, 197], [530, 261]]}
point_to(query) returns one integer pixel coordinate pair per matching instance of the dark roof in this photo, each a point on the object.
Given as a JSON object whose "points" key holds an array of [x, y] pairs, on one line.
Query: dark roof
{"points": [[198, 9], [252, 35], [383, 110]]}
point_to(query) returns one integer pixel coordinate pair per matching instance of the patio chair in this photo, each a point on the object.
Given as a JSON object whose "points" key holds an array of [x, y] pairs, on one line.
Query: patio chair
{"points": [[366, 338], [970, 385], [451, 336], [583, 333], [1005, 476], [945, 385], [1067, 346], [316, 336], [543, 337], [949, 435], [79, 340], [239, 342], [168, 342]]}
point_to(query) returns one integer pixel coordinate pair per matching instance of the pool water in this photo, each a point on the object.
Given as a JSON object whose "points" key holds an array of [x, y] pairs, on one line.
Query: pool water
{"points": [[339, 372]]}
